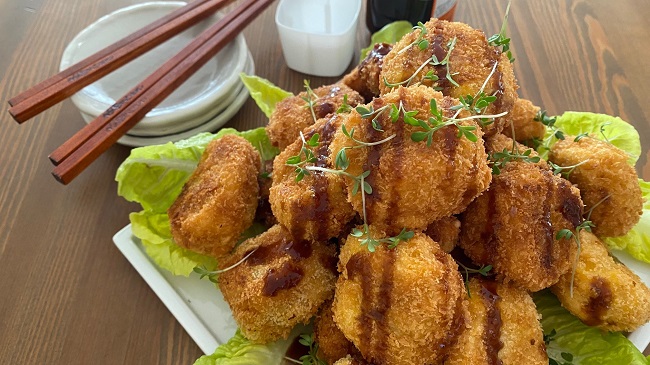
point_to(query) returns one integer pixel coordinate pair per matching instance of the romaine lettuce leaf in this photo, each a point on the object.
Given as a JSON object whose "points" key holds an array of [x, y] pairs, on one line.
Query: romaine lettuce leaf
{"points": [[265, 94], [637, 241], [604, 127], [390, 33], [587, 345], [240, 351], [154, 176], [153, 230]]}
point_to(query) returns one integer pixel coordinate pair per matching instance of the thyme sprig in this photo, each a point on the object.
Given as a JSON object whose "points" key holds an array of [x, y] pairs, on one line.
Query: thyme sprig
{"points": [[420, 41], [500, 39], [431, 61], [310, 99], [345, 107], [586, 225]]}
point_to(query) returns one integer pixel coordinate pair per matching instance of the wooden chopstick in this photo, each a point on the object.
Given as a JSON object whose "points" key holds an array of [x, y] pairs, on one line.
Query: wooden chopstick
{"points": [[175, 72], [95, 126], [64, 84]]}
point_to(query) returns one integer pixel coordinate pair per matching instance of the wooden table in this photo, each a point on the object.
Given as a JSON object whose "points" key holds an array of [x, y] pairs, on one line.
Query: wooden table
{"points": [[67, 295]]}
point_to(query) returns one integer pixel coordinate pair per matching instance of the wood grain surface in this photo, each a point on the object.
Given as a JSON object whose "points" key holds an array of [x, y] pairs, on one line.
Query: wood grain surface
{"points": [[67, 296]]}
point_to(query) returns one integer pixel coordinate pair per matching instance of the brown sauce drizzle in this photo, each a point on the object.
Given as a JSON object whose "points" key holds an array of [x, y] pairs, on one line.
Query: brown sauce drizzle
{"points": [[372, 161], [296, 249], [441, 70], [285, 277], [375, 302], [489, 239], [571, 206], [492, 335], [598, 305]]}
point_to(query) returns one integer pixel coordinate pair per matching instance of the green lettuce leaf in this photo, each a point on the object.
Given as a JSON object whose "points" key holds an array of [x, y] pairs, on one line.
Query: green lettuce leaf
{"points": [[153, 230], [637, 241], [587, 345], [604, 127], [390, 33], [265, 94], [154, 176], [240, 351]]}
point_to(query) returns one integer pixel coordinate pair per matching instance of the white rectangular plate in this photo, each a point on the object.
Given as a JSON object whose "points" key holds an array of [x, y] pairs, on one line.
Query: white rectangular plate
{"points": [[200, 308]]}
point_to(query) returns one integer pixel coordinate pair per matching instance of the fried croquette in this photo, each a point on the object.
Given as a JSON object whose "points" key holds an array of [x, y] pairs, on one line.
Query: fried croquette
{"points": [[349, 360], [503, 328], [445, 232], [608, 185], [365, 77], [402, 305], [332, 343], [521, 121], [218, 202], [293, 114], [282, 283], [605, 293], [464, 56], [513, 226], [316, 207], [413, 183]]}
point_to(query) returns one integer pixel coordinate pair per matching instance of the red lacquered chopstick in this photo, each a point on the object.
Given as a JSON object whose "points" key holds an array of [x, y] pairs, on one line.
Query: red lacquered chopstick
{"points": [[174, 72], [64, 84]]}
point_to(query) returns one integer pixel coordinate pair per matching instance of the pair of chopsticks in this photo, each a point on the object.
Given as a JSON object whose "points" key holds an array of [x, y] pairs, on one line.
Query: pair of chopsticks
{"points": [[77, 153]]}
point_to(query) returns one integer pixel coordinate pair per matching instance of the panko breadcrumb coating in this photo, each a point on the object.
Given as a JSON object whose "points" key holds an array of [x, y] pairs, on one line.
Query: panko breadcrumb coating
{"points": [[412, 184], [522, 120], [608, 184], [470, 63], [218, 202], [282, 284], [503, 328], [399, 306], [513, 226], [365, 77], [316, 207], [606, 293], [293, 114], [445, 232], [332, 343]]}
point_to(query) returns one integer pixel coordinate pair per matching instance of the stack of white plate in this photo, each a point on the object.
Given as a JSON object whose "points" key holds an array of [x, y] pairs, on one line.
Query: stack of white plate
{"points": [[204, 103]]}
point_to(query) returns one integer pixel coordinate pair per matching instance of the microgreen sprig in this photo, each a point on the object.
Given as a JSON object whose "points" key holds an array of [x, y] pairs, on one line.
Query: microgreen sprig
{"points": [[436, 122], [586, 225], [564, 171], [500, 39], [345, 107], [310, 99], [500, 159], [212, 274], [304, 157], [311, 358], [431, 61], [420, 41], [372, 243], [484, 270]]}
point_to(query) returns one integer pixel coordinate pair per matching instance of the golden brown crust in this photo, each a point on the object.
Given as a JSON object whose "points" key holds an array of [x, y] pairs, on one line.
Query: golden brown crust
{"points": [[365, 77], [605, 293], [399, 306], [522, 120], [470, 62], [445, 232], [513, 226], [316, 207], [293, 114], [219, 200], [413, 184], [332, 343], [503, 325], [607, 183], [281, 284]]}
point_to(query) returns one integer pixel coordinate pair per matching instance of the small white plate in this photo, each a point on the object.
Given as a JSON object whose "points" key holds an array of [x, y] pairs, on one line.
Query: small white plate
{"points": [[188, 106], [235, 101], [200, 308]]}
